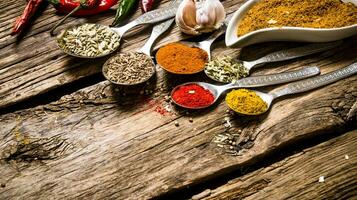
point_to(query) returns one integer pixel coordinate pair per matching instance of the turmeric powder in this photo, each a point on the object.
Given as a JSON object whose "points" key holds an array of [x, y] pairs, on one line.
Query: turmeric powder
{"points": [[246, 102], [301, 13], [181, 59]]}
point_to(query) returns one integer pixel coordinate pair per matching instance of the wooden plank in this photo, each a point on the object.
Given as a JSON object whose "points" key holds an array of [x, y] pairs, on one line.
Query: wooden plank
{"points": [[297, 177], [35, 65], [100, 143]]}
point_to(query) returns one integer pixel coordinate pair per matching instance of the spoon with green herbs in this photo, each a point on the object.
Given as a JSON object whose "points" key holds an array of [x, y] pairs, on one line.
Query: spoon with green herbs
{"points": [[94, 40], [250, 82], [239, 104], [227, 69]]}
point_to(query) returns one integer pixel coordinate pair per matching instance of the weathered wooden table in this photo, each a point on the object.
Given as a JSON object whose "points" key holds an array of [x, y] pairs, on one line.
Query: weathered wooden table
{"points": [[66, 133]]}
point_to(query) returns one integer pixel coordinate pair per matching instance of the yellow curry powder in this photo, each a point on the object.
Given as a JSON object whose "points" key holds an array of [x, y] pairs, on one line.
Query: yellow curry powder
{"points": [[246, 102], [298, 13]]}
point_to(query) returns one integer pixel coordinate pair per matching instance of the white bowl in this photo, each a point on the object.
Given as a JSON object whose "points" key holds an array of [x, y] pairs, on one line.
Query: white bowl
{"points": [[283, 33]]}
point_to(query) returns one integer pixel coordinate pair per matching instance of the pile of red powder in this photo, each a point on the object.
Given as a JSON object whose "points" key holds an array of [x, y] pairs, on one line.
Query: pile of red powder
{"points": [[193, 96]]}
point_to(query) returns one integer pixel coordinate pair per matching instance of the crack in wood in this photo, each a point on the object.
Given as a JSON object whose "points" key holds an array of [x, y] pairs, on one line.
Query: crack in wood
{"points": [[34, 149]]}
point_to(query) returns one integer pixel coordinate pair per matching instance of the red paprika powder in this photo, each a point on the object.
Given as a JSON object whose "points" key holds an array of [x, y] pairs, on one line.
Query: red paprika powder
{"points": [[192, 96]]}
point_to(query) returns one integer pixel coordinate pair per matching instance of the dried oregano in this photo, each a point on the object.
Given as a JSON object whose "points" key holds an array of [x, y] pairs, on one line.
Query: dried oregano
{"points": [[225, 69]]}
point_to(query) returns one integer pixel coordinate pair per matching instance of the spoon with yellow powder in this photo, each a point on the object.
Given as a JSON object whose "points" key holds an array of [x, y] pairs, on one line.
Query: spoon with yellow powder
{"points": [[249, 82], [250, 102]]}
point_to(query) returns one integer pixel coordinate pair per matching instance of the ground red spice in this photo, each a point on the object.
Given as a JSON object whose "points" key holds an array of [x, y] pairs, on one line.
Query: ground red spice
{"points": [[162, 111], [193, 96]]}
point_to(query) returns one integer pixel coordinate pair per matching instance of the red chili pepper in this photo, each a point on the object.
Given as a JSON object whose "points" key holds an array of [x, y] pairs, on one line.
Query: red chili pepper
{"points": [[62, 6], [83, 7], [193, 96], [146, 5], [67, 6], [23, 20]]}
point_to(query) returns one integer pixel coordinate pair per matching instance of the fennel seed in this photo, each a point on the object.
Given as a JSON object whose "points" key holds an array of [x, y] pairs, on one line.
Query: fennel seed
{"points": [[90, 40]]}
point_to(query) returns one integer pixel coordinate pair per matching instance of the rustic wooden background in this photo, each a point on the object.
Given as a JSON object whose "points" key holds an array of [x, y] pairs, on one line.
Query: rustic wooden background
{"points": [[66, 133]]}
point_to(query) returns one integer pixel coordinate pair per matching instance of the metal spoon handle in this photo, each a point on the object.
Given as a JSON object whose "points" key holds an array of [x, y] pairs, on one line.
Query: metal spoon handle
{"points": [[316, 82], [273, 79], [218, 32], [150, 17], [157, 15], [295, 53], [158, 30]]}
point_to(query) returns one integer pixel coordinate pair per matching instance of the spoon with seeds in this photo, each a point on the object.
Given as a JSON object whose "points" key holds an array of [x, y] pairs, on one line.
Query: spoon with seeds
{"points": [[133, 68], [302, 86], [226, 70], [249, 82], [94, 40]]}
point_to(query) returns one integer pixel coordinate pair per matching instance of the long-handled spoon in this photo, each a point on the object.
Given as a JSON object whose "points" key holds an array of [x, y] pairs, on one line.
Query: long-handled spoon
{"points": [[283, 55], [157, 31], [254, 81], [151, 17], [306, 85], [204, 45]]}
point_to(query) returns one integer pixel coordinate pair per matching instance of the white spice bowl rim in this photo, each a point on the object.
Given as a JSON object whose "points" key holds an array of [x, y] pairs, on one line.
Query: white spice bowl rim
{"points": [[297, 34]]}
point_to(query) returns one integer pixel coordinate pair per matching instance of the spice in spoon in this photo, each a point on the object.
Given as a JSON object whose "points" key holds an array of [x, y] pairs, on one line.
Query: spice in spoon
{"points": [[89, 40], [225, 69], [181, 59], [129, 68], [192, 96], [302, 13], [246, 102]]}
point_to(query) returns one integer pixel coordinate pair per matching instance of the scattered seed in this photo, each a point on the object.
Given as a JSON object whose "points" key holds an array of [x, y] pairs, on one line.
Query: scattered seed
{"points": [[321, 179], [176, 123], [190, 120]]}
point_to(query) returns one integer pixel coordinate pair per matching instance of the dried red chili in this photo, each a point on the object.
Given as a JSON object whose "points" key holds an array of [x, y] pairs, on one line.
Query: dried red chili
{"points": [[193, 96], [30, 9], [146, 5]]}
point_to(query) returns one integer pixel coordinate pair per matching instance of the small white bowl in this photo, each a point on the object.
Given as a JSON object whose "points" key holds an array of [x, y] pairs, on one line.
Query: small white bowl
{"points": [[297, 34]]}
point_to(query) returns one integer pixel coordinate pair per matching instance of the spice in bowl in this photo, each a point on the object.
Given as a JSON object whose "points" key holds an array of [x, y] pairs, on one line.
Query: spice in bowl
{"points": [[246, 102], [181, 59], [302, 13], [225, 69], [192, 96], [89, 40], [129, 68]]}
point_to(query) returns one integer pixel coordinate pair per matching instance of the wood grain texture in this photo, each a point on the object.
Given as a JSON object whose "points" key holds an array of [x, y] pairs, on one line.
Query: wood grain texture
{"points": [[33, 64], [108, 142], [297, 177]]}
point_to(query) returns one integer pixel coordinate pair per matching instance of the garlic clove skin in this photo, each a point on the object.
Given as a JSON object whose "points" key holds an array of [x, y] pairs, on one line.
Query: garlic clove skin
{"points": [[205, 16], [186, 16], [220, 15]]}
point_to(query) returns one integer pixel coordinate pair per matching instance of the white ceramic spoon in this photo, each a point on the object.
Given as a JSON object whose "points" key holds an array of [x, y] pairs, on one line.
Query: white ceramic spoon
{"points": [[298, 34]]}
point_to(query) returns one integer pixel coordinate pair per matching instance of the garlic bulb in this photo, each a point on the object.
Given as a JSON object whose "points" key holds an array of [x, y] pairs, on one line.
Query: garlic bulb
{"points": [[196, 18]]}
